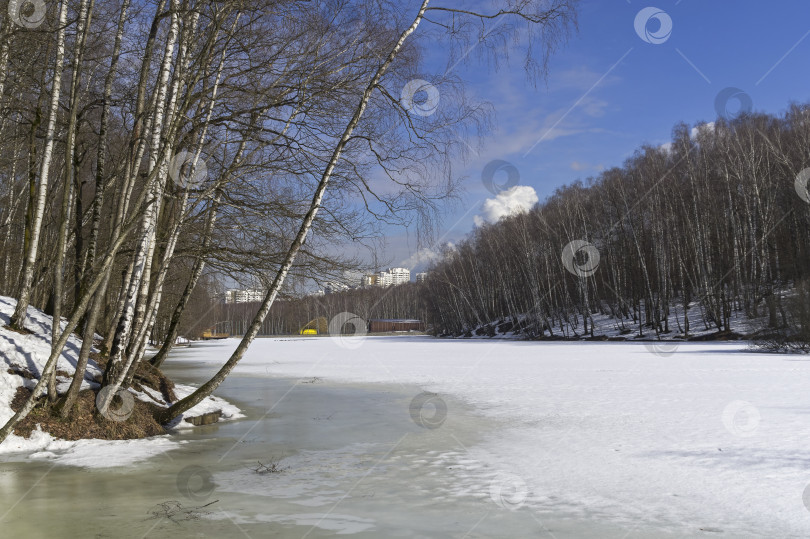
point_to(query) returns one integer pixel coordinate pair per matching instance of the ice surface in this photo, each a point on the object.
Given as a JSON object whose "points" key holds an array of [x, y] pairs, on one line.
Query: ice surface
{"points": [[674, 438], [706, 435]]}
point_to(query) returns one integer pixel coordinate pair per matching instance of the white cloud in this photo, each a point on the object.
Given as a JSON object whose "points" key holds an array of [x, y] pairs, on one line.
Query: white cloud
{"points": [[709, 126], [579, 167], [693, 133], [595, 108], [576, 165], [518, 199], [420, 259]]}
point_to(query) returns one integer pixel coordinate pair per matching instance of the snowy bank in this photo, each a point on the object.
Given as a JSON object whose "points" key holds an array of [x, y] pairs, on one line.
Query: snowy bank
{"points": [[607, 326], [22, 358]]}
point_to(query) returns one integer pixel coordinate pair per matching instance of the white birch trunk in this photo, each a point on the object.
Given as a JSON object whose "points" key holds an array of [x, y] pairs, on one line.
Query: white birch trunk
{"points": [[206, 389], [157, 293], [118, 365], [29, 263], [78, 313], [144, 302], [85, 16]]}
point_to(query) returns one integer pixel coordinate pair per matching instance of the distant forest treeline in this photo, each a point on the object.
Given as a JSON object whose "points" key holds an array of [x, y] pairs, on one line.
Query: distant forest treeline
{"points": [[719, 220], [715, 218], [289, 316]]}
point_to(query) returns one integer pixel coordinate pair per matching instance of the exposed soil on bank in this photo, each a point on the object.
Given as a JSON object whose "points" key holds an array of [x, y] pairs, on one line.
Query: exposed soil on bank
{"points": [[85, 420]]}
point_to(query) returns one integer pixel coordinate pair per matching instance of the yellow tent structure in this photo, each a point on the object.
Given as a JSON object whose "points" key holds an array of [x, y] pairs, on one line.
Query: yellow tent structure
{"points": [[211, 333], [314, 327]]}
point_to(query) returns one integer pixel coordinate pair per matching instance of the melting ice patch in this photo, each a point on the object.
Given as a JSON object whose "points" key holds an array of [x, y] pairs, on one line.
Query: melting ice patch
{"points": [[339, 524]]}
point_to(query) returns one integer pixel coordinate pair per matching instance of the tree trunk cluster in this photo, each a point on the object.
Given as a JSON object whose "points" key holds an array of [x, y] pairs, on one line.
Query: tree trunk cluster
{"points": [[148, 150]]}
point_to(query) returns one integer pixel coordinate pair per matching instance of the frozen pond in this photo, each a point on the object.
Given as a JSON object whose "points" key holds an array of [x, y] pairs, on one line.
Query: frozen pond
{"points": [[520, 439], [353, 462]]}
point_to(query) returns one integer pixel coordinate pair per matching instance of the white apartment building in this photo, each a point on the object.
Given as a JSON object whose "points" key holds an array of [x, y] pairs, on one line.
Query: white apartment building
{"points": [[400, 275], [369, 280], [393, 276], [420, 277], [384, 279], [235, 295]]}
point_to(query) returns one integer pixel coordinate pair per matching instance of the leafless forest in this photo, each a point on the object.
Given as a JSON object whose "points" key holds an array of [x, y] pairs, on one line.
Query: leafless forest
{"points": [[718, 220], [150, 149], [145, 146]]}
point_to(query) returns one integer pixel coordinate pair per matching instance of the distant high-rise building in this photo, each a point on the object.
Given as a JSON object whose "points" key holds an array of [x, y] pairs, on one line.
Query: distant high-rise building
{"points": [[400, 275], [420, 277], [236, 295], [384, 279], [393, 276], [369, 280]]}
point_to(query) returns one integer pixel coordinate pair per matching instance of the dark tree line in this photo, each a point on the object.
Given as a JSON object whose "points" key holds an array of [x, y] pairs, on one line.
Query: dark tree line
{"points": [[288, 316], [683, 237], [715, 221]]}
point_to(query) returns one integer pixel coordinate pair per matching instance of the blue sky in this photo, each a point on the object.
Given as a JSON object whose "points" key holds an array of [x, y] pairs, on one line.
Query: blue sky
{"points": [[609, 91]]}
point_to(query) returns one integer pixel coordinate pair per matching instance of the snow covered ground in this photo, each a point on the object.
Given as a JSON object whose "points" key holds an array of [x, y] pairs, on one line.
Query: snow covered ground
{"points": [[30, 353], [687, 438], [682, 438], [609, 326]]}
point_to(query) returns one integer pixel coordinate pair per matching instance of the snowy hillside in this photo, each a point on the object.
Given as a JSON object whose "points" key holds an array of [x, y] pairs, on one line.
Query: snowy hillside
{"points": [[607, 326], [22, 358]]}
